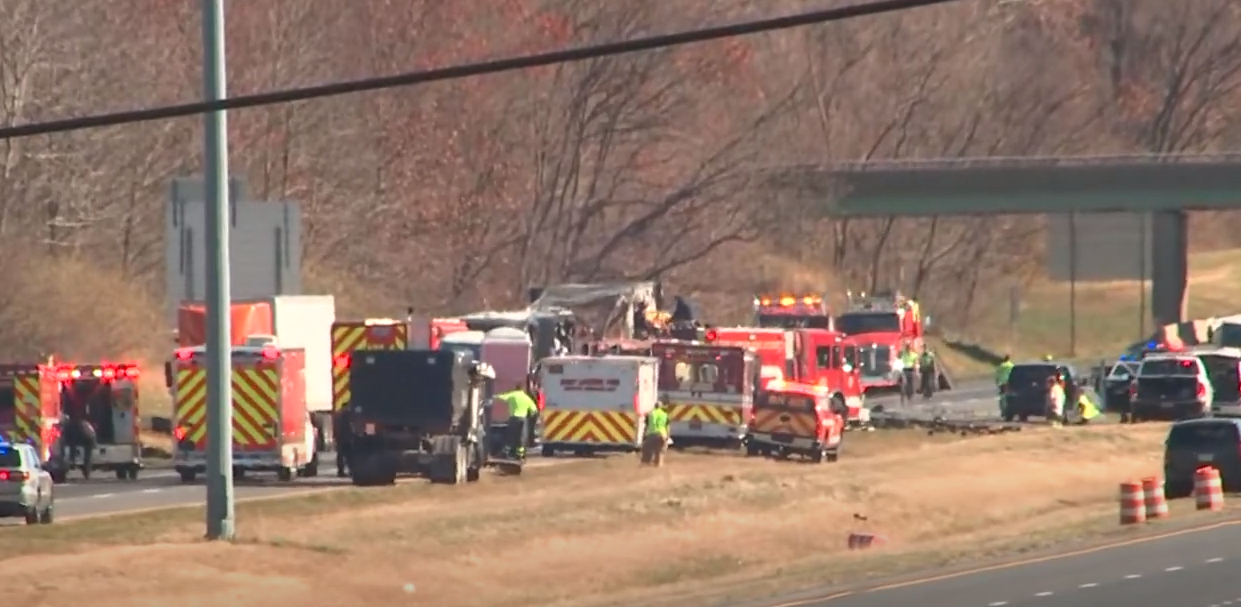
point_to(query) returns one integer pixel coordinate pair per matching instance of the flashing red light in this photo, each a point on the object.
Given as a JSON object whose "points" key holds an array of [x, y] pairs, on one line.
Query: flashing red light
{"points": [[108, 374], [185, 354], [341, 362], [179, 433], [131, 372], [712, 335], [64, 375], [271, 353]]}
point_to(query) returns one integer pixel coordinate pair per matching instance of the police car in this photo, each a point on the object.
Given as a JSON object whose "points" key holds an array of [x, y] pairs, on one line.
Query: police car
{"points": [[26, 489]]}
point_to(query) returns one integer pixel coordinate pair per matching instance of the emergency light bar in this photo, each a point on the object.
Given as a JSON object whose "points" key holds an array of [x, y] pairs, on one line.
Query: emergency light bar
{"points": [[787, 301], [103, 372]]}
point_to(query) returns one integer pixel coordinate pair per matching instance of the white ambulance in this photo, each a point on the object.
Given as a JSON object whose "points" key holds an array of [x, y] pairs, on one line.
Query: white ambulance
{"points": [[596, 404]]}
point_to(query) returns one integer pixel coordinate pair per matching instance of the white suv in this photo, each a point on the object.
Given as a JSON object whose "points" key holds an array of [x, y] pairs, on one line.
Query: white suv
{"points": [[26, 489], [1171, 387]]}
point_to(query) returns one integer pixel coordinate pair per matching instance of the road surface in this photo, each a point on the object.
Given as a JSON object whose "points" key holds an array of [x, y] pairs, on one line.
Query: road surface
{"points": [[1196, 568], [161, 487]]}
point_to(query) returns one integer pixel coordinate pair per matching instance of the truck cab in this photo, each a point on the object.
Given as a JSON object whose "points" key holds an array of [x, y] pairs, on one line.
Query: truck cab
{"points": [[829, 359], [882, 325]]}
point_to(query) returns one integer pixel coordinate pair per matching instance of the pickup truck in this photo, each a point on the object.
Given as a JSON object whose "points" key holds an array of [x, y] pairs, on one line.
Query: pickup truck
{"points": [[1170, 387]]}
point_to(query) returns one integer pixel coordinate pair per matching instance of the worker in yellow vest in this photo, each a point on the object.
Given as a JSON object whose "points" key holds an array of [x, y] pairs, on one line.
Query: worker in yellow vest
{"points": [[1086, 409], [655, 443]]}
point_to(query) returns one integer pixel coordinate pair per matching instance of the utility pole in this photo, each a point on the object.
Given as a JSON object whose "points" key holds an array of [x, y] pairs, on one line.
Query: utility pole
{"points": [[220, 512]]}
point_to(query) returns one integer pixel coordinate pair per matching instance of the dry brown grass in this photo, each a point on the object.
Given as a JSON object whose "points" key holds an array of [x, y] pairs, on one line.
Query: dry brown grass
{"points": [[610, 532]]}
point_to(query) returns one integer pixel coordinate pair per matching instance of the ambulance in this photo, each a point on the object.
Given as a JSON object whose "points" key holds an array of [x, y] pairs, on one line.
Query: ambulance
{"points": [[29, 406], [708, 390], [106, 395], [596, 404], [272, 429]]}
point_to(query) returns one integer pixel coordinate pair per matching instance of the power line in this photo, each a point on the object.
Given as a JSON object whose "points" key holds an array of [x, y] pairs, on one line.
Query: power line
{"points": [[464, 71]]}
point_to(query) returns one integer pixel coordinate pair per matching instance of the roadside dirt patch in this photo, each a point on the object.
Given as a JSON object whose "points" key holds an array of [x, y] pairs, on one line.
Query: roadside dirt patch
{"points": [[611, 532]]}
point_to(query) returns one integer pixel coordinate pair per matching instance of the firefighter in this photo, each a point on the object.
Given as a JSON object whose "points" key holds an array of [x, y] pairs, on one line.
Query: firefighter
{"points": [[655, 443], [926, 369], [79, 436], [342, 429], [1002, 371], [520, 409]]}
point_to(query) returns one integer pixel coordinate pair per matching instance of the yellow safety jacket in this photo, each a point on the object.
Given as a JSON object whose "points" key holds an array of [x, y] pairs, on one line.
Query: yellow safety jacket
{"points": [[1002, 371], [519, 403], [1086, 408], [657, 423]]}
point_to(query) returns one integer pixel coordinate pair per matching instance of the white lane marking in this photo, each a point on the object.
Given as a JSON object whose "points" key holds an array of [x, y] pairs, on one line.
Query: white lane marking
{"points": [[1133, 576], [997, 604], [151, 490], [1088, 585], [1170, 569], [99, 495], [1045, 594], [1215, 560]]}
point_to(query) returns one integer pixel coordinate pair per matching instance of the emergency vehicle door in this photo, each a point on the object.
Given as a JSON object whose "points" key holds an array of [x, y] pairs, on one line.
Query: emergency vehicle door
{"points": [[124, 411], [8, 409]]}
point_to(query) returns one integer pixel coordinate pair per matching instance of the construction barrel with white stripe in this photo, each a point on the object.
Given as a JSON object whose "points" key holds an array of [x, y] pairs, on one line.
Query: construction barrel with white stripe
{"points": [[1208, 489], [1132, 503], [1155, 498]]}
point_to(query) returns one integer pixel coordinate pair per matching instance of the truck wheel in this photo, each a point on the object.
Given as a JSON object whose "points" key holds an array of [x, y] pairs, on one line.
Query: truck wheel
{"points": [[187, 476], [284, 474], [549, 451], [1023, 418], [752, 450], [312, 469], [131, 473], [473, 474], [121, 474], [819, 456]]}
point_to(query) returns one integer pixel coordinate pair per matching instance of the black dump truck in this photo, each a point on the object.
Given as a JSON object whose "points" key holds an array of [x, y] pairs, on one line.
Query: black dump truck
{"points": [[418, 412]]}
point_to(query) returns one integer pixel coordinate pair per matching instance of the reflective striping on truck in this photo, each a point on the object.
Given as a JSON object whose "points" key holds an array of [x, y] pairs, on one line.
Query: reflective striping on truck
{"points": [[705, 413], [28, 409], [255, 397], [604, 427], [350, 336], [776, 421]]}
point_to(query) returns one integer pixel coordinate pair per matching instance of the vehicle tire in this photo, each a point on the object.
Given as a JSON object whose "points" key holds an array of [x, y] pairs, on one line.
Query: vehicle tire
{"points": [[1023, 418], [548, 451], [473, 474], [59, 476], [32, 516], [819, 456], [1178, 490], [121, 474], [188, 476], [312, 469], [1008, 416], [131, 473], [752, 450], [833, 455], [48, 515], [284, 474]]}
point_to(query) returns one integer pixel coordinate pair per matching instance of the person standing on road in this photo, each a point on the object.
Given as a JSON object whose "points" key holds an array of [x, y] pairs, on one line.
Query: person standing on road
{"points": [[1055, 400], [520, 409], [655, 443], [79, 436], [926, 369], [1002, 371], [909, 370], [342, 431]]}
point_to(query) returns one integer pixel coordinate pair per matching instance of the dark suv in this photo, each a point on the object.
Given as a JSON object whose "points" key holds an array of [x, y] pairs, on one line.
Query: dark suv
{"points": [[1194, 443], [1026, 394]]}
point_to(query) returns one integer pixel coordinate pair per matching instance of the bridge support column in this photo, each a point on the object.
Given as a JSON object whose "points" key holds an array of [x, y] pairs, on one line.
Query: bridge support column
{"points": [[1169, 266]]}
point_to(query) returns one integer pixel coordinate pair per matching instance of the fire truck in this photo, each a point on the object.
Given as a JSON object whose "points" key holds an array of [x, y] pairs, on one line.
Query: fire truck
{"points": [[882, 325], [708, 390], [30, 405], [272, 429], [821, 357], [806, 311]]}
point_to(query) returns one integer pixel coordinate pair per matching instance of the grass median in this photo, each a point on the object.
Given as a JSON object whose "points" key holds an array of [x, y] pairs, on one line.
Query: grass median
{"points": [[609, 532]]}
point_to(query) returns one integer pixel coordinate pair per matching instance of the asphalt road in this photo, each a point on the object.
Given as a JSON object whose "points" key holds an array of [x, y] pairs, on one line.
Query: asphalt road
{"points": [[157, 488], [1191, 569]]}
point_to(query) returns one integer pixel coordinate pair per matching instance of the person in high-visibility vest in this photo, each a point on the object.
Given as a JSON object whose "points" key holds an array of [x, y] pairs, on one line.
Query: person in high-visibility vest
{"points": [[1086, 409], [655, 443], [1002, 371], [909, 370], [520, 409]]}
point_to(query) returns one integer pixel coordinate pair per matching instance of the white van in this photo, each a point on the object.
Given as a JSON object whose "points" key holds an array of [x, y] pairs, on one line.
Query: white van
{"points": [[595, 404]]}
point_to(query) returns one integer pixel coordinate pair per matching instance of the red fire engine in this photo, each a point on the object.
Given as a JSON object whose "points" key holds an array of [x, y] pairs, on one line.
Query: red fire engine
{"points": [[882, 325]]}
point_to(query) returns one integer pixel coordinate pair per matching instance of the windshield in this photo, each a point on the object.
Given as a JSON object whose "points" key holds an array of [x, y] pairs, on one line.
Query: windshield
{"points": [[794, 321], [1204, 435], [1122, 371], [1228, 334], [1176, 367], [701, 370], [794, 402], [1031, 375], [861, 323], [473, 351], [10, 458]]}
